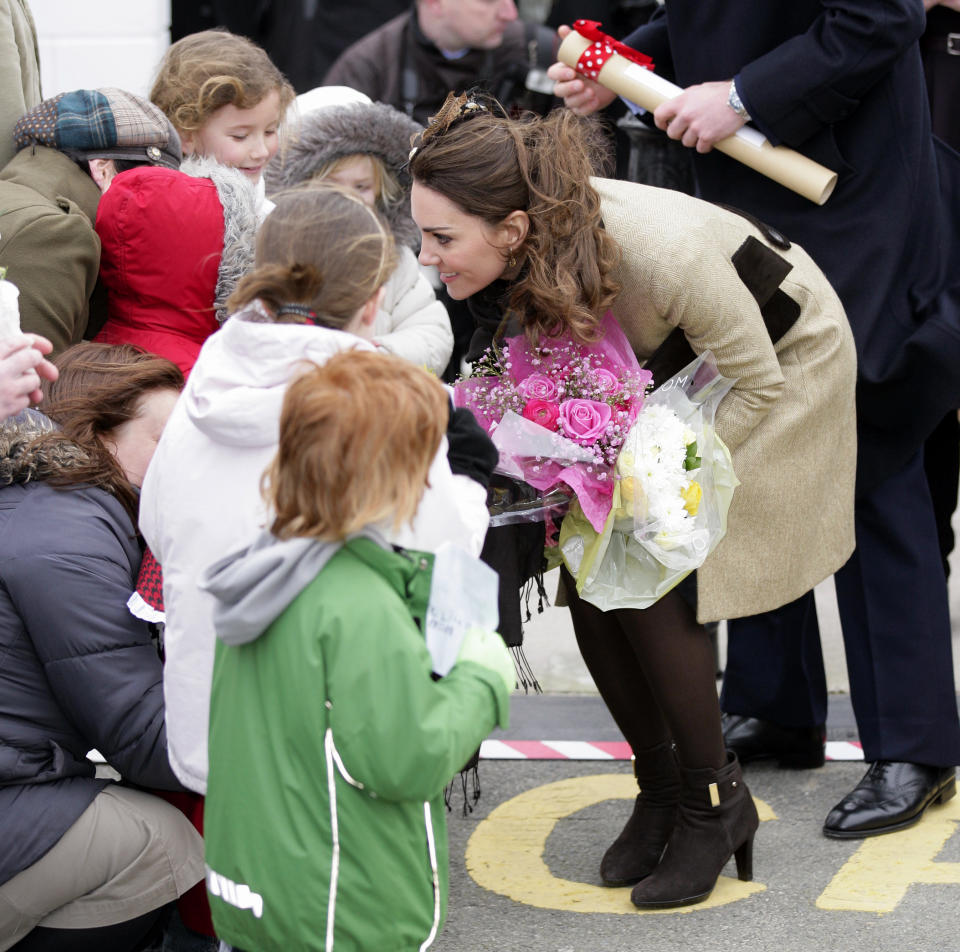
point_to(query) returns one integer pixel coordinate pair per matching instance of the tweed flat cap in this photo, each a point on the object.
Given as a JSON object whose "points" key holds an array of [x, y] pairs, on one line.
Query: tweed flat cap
{"points": [[101, 124]]}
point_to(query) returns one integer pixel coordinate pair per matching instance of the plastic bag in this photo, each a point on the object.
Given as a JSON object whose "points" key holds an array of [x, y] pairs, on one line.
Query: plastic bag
{"points": [[674, 485]]}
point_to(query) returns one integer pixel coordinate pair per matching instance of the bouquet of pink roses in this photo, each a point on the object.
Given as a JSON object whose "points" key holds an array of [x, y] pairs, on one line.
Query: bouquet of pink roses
{"points": [[559, 413]]}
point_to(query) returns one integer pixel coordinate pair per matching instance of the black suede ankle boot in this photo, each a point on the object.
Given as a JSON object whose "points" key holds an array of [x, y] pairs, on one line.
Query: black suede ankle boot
{"points": [[716, 820], [637, 850]]}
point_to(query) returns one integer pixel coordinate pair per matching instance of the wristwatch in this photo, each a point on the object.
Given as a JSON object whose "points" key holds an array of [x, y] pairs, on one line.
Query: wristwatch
{"points": [[736, 103]]}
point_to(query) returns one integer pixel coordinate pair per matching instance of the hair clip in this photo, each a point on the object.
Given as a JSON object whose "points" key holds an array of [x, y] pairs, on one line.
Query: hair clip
{"points": [[301, 310], [455, 109]]}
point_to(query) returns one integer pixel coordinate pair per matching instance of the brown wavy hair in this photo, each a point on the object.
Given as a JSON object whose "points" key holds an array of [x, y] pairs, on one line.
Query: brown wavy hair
{"points": [[99, 388], [322, 247], [489, 165], [357, 436], [205, 71]]}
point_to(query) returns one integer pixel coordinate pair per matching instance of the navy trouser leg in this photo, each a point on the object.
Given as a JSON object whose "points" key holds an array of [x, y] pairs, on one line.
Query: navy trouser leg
{"points": [[892, 597], [774, 668]]}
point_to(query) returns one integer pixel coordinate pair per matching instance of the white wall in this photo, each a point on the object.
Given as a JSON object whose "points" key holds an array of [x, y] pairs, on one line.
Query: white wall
{"points": [[89, 43]]}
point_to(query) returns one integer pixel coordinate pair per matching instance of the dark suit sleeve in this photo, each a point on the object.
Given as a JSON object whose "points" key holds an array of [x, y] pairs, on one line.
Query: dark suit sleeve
{"points": [[653, 39], [819, 77], [99, 660]]}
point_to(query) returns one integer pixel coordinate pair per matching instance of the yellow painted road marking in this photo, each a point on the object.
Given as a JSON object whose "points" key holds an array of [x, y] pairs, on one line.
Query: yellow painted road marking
{"points": [[877, 876], [505, 852]]}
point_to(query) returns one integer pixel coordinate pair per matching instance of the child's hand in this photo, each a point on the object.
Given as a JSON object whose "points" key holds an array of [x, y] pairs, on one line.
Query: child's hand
{"points": [[487, 649]]}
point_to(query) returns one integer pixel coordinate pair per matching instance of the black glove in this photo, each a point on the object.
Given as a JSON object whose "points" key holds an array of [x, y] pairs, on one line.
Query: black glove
{"points": [[471, 452]]}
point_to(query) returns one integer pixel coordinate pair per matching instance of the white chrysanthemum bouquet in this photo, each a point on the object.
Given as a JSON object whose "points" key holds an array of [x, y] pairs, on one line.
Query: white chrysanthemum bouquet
{"points": [[657, 468], [674, 484]]}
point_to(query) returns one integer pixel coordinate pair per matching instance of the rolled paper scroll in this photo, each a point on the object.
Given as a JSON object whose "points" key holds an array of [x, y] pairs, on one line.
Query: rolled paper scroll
{"points": [[631, 78]]}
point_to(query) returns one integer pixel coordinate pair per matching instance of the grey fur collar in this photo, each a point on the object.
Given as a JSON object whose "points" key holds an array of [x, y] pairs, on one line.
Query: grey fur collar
{"points": [[337, 131], [239, 200], [19, 463]]}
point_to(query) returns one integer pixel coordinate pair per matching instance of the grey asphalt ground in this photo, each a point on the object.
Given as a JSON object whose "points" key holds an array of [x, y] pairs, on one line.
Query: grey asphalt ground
{"points": [[794, 862], [514, 888]]}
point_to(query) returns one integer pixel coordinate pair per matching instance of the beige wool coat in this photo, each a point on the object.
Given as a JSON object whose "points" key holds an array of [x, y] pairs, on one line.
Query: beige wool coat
{"points": [[789, 420]]}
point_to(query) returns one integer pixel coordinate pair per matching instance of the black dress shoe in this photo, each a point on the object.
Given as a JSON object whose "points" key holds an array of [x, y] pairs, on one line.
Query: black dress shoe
{"points": [[891, 796], [752, 739]]}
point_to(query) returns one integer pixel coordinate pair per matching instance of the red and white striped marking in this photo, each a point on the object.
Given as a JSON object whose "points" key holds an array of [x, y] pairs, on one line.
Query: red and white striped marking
{"points": [[607, 750], [844, 750]]}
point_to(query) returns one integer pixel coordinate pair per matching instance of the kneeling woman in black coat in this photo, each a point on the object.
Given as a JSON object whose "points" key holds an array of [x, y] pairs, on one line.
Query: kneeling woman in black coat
{"points": [[86, 862]]}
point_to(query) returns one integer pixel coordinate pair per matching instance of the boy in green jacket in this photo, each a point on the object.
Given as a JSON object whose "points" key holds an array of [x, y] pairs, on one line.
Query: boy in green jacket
{"points": [[330, 742]]}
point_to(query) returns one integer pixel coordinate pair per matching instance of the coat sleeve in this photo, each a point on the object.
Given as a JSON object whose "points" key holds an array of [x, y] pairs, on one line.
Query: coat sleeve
{"points": [[693, 285], [733, 329], [100, 661], [653, 39], [362, 67], [820, 76], [453, 509], [19, 72], [413, 324], [400, 733], [54, 260]]}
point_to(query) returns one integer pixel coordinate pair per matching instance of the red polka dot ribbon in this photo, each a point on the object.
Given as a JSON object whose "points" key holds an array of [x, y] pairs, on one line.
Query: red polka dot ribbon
{"points": [[602, 47]]}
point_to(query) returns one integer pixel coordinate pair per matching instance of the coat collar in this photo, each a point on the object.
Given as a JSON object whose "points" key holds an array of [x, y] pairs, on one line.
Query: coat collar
{"points": [[407, 571], [54, 175]]}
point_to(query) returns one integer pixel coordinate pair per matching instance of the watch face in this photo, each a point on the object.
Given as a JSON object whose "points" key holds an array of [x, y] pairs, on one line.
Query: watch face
{"points": [[735, 102]]}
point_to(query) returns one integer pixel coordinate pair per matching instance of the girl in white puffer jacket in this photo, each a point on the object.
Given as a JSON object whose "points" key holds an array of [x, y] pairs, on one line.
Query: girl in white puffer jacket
{"points": [[321, 259]]}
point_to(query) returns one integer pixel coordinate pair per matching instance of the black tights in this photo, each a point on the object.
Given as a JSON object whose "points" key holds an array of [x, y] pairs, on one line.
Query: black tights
{"points": [[656, 671]]}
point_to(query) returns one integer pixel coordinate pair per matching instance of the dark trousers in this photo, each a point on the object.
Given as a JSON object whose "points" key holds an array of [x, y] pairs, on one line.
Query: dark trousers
{"points": [[941, 461], [130, 936], [893, 606]]}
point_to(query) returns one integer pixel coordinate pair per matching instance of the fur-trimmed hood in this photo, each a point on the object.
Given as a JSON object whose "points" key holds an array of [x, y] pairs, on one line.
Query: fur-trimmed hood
{"points": [[174, 245], [21, 462], [356, 128], [239, 199]]}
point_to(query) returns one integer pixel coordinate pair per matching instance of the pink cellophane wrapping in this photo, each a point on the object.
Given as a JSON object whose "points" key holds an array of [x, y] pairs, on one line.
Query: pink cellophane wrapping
{"points": [[541, 457]]}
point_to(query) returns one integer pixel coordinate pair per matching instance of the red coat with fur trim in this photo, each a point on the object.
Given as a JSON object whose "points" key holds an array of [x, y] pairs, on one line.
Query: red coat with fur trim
{"points": [[173, 247]]}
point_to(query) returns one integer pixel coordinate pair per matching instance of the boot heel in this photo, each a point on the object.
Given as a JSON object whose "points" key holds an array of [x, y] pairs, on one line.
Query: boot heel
{"points": [[743, 856], [716, 813], [948, 791]]}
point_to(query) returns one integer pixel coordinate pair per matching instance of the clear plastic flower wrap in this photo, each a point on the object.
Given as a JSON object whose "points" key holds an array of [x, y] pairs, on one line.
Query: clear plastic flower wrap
{"points": [[674, 482]]}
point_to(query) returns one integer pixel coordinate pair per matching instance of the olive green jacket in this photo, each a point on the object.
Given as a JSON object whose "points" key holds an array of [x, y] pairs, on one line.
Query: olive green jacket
{"points": [[19, 70], [48, 206]]}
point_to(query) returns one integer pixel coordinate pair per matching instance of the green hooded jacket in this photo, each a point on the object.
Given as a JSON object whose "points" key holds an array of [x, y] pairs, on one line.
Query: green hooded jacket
{"points": [[330, 746]]}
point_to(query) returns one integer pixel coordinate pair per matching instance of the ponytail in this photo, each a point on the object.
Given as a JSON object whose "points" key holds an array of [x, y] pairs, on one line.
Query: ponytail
{"points": [[322, 248]]}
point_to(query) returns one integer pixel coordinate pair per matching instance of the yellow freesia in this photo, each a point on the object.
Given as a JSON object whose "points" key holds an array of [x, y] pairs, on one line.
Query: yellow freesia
{"points": [[691, 497]]}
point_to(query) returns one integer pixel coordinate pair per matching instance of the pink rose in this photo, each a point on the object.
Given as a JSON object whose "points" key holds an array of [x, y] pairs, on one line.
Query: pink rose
{"points": [[607, 380], [542, 412], [584, 420], [538, 387]]}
